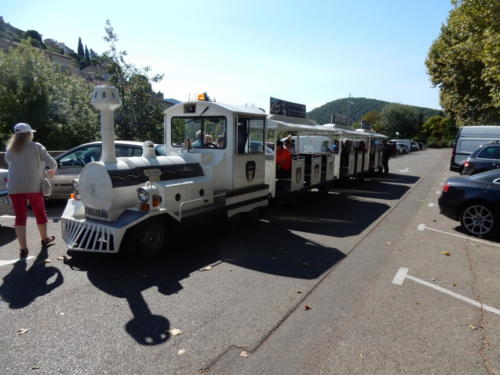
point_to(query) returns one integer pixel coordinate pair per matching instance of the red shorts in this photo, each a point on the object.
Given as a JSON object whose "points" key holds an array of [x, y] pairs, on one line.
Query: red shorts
{"points": [[20, 201]]}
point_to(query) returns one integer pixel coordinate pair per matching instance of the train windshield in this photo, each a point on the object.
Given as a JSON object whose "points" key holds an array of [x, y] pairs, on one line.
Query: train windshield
{"points": [[199, 132]]}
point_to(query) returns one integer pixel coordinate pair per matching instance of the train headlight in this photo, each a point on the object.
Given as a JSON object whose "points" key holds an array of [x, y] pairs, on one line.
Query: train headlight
{"points": [[142, 195], [76, 189]]}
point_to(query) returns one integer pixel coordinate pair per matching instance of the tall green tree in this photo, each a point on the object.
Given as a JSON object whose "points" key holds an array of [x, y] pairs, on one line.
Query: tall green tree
{"points": [[87, 56], [140, 116], [464, 62], [80, 52], [34, 90], [399, 118]]}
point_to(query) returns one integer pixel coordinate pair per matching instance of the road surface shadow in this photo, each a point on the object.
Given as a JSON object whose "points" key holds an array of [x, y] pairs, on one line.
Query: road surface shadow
{"points": [[23, 285], [262, 247], [7, 235]]}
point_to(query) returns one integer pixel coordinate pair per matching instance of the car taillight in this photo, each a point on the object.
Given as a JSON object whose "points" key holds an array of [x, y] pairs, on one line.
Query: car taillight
{"points": [[446, 187], [466, 164]]}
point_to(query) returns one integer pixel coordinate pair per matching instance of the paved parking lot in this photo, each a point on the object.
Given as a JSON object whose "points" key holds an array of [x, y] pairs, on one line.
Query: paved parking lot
{"points": [[312, 290]]}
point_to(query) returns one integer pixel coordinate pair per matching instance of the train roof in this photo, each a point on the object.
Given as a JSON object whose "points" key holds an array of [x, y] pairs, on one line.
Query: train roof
{"points": [[220, 106], [341, 129], [371, 133]]}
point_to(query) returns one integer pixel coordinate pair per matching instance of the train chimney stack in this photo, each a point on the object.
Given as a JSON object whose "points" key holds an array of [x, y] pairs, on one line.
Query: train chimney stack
{"points": [[106, 99]]}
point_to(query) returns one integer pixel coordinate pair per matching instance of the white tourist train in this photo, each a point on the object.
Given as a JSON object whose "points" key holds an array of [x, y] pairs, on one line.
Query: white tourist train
{"points": [[221, 162]]}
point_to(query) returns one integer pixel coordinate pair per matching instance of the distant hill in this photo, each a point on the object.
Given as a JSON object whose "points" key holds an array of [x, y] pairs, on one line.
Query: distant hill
{"points": [[359, 107]]}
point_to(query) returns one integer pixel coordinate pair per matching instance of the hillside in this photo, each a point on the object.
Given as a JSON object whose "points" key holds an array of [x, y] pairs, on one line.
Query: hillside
{"points": [[359, 107]]}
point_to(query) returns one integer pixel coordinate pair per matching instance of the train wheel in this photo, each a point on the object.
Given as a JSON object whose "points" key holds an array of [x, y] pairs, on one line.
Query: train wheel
{"points": [[147, 239]]}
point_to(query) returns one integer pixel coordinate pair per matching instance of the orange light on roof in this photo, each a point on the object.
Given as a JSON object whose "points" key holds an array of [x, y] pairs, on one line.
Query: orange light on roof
{"points": [[201, 97]]}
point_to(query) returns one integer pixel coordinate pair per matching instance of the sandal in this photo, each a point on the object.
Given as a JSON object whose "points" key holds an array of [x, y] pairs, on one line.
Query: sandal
{"points": [[23, 253], [48, 240]]}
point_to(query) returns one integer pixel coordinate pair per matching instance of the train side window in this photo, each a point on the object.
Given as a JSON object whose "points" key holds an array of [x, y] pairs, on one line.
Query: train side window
{"points": [[250, 136]]}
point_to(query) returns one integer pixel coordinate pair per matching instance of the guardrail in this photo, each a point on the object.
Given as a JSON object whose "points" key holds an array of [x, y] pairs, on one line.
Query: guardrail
{"points": [[4, 165]]}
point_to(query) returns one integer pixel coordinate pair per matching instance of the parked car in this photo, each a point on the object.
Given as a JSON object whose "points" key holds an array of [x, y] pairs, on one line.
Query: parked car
{"points": [[70, 163], [468, 140], [422, 145], [474, 201], [483, 159], [5, 205], [415, 146], [401, 148], [405, 142]]}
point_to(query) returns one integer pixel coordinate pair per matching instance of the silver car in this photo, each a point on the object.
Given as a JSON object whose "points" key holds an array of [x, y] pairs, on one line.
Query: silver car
{"points": [[5, 205], [70, 163]]}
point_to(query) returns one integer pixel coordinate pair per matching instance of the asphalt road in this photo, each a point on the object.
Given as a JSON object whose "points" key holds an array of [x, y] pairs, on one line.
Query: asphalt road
{"points": [[309, 291]]}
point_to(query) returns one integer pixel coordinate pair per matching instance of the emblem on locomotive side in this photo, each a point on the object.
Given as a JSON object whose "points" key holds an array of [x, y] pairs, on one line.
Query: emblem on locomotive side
{"points": [[316, 171], [250, 170]]}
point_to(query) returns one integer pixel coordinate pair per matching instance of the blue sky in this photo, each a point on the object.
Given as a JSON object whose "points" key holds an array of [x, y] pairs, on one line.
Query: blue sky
{"points": [[246, 51]]}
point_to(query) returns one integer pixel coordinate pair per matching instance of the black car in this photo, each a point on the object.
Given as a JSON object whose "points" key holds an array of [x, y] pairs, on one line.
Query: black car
{"points": [[474, 201], [485, 158]]}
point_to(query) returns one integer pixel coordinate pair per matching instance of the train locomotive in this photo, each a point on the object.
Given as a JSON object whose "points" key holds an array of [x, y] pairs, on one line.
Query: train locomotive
{"points": [[220, 161]]}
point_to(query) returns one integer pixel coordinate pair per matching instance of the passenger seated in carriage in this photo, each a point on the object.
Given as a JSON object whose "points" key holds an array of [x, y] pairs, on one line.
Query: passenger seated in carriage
{"points": [[283, 161]]}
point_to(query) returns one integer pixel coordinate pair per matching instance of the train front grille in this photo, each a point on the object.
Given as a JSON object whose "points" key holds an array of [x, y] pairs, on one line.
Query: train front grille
{"points": [[87, 236]]}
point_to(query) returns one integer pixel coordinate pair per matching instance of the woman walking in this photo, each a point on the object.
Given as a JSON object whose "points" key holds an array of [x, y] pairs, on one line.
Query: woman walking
{"points": [[27, 160]]}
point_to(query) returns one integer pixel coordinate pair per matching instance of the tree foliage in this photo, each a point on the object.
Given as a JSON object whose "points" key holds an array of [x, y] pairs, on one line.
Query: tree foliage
{"points": [[439, 127], [464, 62], [80, 51], [140, 116], [34, 90], [399, 118]]}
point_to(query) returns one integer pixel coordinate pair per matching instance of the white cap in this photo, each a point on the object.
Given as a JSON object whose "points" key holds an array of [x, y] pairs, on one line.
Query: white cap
{"points": [[22, 127]]}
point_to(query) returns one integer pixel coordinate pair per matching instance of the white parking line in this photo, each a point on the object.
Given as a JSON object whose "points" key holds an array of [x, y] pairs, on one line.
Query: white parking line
{"points": [[406, 170], [402, 274], [7, 262], [48, 217], [432, 204], [422, 227]]}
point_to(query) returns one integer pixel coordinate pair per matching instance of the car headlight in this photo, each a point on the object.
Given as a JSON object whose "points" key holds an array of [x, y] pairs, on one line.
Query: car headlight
{"points": [[142, 195]]}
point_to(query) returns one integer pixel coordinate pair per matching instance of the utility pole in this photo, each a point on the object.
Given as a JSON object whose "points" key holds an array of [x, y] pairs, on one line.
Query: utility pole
{"points": [[349, 102]]}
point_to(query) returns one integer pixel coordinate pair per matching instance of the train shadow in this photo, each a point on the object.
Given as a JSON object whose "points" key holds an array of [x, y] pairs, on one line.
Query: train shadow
{"points": [[7, 235], [262, 247], [342, 213]]}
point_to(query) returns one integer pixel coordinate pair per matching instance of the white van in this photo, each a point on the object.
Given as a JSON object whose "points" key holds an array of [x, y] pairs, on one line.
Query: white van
{"points": [[468, 140]]}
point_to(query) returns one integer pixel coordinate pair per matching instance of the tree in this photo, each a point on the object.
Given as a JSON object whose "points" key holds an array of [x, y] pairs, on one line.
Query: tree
{"points": [[440, 128], [80, 51], [464, 62], [33, 90], [374, 119], [399, 118], [140, 116], [36, 39], [87, 56]]}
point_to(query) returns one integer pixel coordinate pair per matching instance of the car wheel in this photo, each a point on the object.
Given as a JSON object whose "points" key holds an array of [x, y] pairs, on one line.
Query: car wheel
{"points": [[478, 220]]}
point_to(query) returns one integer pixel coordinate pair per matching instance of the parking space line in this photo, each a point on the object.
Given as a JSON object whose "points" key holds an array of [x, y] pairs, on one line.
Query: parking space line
{"points": [[422, 227], [13, 217], [402, 274], [7, 262]]}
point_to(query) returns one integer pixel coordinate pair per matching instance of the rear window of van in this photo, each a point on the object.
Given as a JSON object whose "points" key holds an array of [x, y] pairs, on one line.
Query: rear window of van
{"points": [[471, 145]]}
